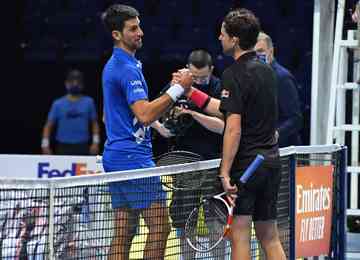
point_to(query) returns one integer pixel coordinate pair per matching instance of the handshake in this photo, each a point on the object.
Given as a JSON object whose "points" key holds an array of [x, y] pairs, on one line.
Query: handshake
{"points": [[184, 78], [181, 83]]}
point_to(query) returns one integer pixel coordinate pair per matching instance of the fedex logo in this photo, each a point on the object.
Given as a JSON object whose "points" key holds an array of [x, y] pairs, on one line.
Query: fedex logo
{"points": [[77, 169]]}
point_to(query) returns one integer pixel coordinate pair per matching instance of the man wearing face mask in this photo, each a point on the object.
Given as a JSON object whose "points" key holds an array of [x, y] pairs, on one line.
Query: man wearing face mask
{"points": [[196, 138], [290, 120], [72, 117]]}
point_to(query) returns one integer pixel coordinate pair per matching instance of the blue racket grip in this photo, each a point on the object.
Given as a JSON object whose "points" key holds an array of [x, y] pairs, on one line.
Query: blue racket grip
{"points": [[252, 168]]}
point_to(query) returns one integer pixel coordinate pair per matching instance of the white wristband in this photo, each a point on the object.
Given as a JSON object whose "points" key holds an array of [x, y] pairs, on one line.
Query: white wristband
{"points": [[175, 92], [45, 142], [96, 139]]}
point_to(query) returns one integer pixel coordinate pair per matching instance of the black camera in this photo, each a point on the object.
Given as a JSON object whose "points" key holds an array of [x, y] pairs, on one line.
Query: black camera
{"points": [[176, 121]]}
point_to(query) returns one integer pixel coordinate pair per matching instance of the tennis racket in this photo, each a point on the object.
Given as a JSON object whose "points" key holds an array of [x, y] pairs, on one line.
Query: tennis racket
{"points": [[188, 181], [209, 223]]}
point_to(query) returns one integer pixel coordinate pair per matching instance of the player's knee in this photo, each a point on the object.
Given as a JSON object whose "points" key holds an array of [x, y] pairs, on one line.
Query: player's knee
{"points": [[241, 229], [161, 229], [267, 236], [166, 230], [241, 223]]}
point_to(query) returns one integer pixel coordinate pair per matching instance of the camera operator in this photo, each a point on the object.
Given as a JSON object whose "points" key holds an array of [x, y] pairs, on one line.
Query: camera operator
{"points": [[192, 131], [191, 135]]}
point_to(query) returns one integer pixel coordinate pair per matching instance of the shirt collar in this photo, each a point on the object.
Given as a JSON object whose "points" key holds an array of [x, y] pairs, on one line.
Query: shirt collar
{"points": [[123, 55], [247, 56]]}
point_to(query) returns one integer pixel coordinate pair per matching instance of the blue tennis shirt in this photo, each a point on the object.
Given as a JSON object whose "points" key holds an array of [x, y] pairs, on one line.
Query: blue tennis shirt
{"points": [[124, 84], [72, 119]]}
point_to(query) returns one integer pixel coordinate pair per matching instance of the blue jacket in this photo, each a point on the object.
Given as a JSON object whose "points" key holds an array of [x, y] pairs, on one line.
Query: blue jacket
{"points": [[290, 115]]}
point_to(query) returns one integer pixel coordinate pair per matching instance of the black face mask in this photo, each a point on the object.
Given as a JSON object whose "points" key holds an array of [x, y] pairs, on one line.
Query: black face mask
{"points": [[74, 90], [201, 86]]}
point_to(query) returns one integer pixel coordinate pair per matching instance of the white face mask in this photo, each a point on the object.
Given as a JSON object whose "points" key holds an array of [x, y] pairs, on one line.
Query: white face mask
{"points": [[262, 56]]}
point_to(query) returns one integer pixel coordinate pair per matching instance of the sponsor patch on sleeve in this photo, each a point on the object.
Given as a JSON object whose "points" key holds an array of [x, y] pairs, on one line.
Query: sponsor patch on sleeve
{"points": [[138, 90], [225, 93], [135, 83]]}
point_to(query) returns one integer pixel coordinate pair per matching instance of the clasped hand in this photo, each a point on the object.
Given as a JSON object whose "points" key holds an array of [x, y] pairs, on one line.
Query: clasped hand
{"points": [[230, 189], [184, 78]]}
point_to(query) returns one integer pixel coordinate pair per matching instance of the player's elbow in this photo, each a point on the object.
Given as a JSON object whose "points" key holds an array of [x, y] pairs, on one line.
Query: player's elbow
{"points": [[143, 112], [145, 119], [146, 123]]}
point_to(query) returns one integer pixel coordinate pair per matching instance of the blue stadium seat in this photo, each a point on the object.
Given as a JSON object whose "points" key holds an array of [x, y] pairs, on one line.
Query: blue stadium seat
{"points": [[175, 51], [156, 36], [199, 37]]}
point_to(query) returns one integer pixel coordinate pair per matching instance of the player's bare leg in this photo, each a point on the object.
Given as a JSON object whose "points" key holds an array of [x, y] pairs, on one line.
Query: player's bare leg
{"points": [[268, 235], [240, 238], [157, 220], [120, 246]]}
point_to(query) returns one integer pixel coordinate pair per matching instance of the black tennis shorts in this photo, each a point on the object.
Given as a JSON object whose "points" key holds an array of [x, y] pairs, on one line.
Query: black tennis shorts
{"points": [[260, 194]]}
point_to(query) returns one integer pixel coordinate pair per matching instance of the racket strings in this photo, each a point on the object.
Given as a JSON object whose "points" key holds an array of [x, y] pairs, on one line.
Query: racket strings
{"points": [[219, 211], [206, 225], [188, 181]]}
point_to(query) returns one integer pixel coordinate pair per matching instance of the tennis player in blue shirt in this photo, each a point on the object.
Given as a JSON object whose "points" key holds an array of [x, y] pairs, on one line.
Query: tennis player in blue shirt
{"points": [[128, 117]]}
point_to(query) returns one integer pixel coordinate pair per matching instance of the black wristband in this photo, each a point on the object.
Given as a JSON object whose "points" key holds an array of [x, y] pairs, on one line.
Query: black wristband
{"points": [[205, 103]]}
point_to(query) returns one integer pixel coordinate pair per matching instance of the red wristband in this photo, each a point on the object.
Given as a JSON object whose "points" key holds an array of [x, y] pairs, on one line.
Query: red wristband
{"points": [[199, 98]]}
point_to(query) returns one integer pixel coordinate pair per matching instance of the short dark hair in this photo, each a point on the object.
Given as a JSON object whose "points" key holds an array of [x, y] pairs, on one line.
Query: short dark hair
{"points": [[116, 15], [75, 74], [242, 23], [200, 59]]}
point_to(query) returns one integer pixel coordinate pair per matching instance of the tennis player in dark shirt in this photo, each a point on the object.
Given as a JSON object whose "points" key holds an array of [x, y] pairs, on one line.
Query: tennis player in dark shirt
{"points": [[248, 106]]}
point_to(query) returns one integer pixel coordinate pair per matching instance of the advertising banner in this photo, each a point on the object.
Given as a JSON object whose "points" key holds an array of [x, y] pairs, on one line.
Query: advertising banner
{"points": [[314, 202], [47, 166]]}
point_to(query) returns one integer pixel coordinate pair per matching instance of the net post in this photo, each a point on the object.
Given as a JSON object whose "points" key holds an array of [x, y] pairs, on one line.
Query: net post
{"points": [[342, 199], [51, 220], [292, 180]]}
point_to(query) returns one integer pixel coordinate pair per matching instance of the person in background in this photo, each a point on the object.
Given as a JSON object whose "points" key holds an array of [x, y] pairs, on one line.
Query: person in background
{"points": [[196, 138], [73, 118], [356, 13], [356, 19], [290, 121]]}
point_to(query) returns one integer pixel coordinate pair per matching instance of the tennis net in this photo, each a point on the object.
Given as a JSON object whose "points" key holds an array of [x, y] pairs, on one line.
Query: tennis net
{"points": [[73, 218]]}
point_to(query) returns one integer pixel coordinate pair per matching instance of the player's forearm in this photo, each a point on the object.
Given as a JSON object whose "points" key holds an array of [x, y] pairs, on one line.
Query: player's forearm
{"points": [[231, 144], [148, 112], [230, 148], [208, 104], [213, 124], [158, 107]]}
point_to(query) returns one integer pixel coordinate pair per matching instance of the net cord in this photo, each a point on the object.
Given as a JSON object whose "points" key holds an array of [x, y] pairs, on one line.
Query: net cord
{"points": [[95, 179]]}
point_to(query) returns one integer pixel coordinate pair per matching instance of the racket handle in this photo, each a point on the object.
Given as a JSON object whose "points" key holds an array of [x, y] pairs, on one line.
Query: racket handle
{"points": [[252, 168]]}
